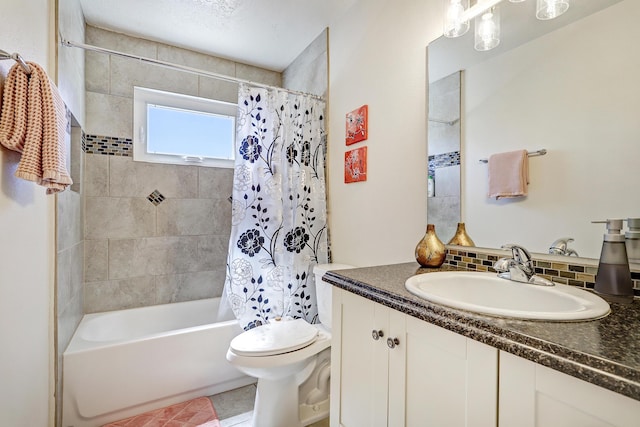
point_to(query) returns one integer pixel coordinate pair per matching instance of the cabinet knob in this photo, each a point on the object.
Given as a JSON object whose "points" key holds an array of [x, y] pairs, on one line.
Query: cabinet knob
{"points": [[377, 334], [392, 342]]}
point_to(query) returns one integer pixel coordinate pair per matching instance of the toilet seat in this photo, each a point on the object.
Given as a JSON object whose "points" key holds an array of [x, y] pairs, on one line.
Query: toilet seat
{"points": [[274, 338]]}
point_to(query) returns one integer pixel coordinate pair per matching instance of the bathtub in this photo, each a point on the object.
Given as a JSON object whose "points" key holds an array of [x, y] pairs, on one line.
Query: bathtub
{"points": [[123, 363]]}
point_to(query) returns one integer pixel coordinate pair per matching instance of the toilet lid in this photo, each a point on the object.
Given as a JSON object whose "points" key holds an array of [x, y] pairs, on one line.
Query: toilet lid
{"points": [[274, 338]]}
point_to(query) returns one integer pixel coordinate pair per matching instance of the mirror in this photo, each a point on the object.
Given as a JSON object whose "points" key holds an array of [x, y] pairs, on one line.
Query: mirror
{"points": [[569, 87], [443, 202]]}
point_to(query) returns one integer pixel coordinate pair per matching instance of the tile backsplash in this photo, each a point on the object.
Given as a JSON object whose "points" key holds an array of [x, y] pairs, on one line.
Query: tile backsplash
{"points": [[569, 272]]}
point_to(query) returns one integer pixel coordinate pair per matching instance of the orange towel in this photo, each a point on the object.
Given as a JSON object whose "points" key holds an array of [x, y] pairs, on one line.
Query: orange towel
{"points": [[508, 174], [33, 121]]}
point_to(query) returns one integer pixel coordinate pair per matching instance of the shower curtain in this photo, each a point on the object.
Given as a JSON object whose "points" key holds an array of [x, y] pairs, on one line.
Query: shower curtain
{"points": [[279, 224]]}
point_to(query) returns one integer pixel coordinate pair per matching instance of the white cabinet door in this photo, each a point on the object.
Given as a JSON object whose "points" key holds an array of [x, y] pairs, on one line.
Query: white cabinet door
{"points": [[532, 395], [359, 369], [415, 375], [451, 380], [397, 343]]}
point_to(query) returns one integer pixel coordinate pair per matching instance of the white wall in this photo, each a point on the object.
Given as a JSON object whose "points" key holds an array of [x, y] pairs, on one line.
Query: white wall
{"points": [[26, 246], [587, 119], [378, 57]]}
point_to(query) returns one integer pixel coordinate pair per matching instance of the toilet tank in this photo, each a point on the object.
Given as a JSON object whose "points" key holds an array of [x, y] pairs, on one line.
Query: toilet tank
{"points": [[323, 291]]}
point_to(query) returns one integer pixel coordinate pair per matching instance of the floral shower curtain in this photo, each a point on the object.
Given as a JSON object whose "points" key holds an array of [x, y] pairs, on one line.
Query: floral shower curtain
{"points": [[279, 225]]}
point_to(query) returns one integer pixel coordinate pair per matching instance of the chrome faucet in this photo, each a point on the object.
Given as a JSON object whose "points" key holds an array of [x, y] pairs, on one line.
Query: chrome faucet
{"points": [[561, 247], [519, 267]]}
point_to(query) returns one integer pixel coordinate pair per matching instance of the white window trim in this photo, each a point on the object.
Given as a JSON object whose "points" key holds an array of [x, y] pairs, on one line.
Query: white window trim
{"points": [[144, 96]]}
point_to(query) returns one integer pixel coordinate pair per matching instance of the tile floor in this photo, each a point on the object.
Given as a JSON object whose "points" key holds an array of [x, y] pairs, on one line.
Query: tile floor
{"points": [[235, 407]]}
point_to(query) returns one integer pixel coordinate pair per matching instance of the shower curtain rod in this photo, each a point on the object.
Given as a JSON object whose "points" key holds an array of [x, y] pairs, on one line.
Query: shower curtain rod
{"points": [[179, 67]]}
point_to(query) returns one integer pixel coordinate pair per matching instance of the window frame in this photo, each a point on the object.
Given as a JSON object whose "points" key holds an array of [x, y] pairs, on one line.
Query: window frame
{"points": [[144, 96]]}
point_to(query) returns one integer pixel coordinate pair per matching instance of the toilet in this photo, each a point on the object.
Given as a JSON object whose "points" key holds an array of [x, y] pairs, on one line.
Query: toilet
{"points": [[291, 360]]}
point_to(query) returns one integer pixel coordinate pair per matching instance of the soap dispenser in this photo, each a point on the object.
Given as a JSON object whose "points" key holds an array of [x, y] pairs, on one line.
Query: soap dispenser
{"points": [[613, 280]]}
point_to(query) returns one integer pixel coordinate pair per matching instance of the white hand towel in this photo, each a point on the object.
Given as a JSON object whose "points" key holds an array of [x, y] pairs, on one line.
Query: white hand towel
{"points": [[509, 174]]}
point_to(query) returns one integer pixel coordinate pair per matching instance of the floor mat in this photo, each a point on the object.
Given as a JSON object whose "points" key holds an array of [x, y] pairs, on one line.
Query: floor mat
{"points": [[192, 413]]}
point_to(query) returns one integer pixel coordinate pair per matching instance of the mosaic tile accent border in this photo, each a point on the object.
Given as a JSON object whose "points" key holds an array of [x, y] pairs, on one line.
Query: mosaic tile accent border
{"points": [[443, 160], [583, 276], [107, 145]]}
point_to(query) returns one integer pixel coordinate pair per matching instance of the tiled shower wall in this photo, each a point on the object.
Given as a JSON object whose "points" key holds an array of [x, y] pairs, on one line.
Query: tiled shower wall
{"points": [[142, 250], [154, 233], [309, 71], [69, 259], [69, 204]]}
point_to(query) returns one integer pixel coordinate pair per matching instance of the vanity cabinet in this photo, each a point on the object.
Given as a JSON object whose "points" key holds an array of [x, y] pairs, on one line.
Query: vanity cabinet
{"points": [[532, 395], [391, 369]]}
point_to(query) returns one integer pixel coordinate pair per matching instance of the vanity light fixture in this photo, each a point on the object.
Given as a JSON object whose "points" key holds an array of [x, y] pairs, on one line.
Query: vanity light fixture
{"points": [[550, 9], [458, 15]]}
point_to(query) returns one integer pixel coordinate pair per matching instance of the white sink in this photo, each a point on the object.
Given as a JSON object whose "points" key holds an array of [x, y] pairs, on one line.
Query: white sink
{"points": [[486, 293]]}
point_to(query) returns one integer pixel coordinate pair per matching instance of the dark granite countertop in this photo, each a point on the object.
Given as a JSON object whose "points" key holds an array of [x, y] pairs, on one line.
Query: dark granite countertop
{"points": [[605, 352]]}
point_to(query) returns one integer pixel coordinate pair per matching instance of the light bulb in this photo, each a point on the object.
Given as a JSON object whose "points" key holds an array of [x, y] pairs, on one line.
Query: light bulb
{"points": [[487, 27], [550, 9], [453, 24], [487, 33]]}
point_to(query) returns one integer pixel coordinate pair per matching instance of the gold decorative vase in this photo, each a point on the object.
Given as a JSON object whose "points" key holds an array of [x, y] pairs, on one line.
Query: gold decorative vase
{"points": [[461, 238], [430, 251]]}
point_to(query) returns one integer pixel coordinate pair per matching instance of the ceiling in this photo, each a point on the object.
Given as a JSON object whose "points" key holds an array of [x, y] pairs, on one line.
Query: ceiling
{"points": [[264, 33]]}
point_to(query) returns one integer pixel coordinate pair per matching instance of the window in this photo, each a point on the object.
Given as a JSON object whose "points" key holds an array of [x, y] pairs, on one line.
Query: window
{"points": [[181, 129]]}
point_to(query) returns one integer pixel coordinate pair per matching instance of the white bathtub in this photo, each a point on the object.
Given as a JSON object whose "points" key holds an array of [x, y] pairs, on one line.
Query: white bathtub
{"points": [[123, 363]]}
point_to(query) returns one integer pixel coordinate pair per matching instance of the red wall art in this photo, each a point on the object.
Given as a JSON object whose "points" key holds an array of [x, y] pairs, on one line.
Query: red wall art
{"points": [[357, 125], [355, 165]]}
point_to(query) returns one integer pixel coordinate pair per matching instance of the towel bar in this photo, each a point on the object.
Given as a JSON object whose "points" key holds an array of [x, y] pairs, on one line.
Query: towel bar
{"points": [[16, 57], [540, 152]]}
